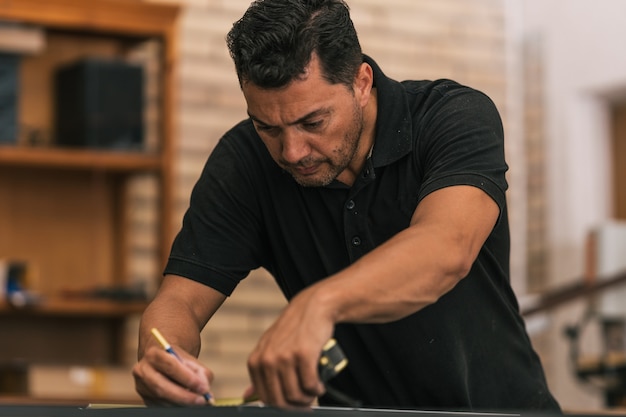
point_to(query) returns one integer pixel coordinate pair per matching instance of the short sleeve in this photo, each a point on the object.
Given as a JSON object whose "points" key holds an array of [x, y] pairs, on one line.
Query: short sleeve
{"points": [[219, 242], [461, 142]]}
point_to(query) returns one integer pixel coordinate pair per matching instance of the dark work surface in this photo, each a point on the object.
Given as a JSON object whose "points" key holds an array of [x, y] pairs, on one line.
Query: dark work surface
{"points": [[244, 411]]}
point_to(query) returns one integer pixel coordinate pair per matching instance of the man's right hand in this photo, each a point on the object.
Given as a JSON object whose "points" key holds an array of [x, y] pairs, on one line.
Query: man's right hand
{"points": [[163, 379], [180, 310]]}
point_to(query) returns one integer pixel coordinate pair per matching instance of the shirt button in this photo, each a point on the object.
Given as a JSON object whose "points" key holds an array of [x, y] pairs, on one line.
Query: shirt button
{"points": [[350, 205], [356, 241]]}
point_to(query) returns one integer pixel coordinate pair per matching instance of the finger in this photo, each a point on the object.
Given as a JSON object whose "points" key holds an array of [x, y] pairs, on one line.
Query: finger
{"points": [[280, 379], [257, 380], [173, 393], [250, 394], [162, 376], [301, 383], [157, 389], [202, 377], [149, 397], [293, 390], [265, 378], [308, 374], [187, 373]]}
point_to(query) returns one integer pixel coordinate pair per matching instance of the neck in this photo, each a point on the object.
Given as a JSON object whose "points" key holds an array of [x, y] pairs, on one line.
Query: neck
{"points": [[369, 126], [366, 141]]}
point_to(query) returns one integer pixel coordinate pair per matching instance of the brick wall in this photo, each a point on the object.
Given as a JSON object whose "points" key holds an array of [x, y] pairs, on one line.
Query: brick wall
{"points": [[418, 39], [535, 141]]}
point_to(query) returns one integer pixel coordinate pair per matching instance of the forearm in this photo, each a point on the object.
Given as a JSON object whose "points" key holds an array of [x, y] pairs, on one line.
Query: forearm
{"points": [[180, 311], [172, 322], [397, 279]]}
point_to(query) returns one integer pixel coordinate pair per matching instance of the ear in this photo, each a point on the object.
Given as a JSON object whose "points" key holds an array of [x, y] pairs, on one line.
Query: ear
{"points": [[363, 83]]}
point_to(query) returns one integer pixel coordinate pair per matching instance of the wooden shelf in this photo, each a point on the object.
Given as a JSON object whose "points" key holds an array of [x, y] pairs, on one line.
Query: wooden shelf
{"points": [[84, 307], [123, 17], [81, 159], [67, 331]]}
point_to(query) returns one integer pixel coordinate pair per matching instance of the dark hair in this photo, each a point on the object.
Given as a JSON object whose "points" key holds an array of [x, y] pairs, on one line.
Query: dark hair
{"points": [[272, 43]]}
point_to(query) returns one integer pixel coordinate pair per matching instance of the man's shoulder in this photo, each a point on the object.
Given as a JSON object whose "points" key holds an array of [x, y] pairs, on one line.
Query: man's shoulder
{"points": [[441, 96], [243, 129], [241, 152], [442, 87], [241, 137]]}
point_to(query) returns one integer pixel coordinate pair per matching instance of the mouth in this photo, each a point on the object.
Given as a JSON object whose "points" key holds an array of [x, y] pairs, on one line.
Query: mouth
{"points": [[306, 170]]}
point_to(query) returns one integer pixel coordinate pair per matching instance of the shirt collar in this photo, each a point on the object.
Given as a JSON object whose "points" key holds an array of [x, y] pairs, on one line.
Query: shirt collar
{"points": [[393, 120]]}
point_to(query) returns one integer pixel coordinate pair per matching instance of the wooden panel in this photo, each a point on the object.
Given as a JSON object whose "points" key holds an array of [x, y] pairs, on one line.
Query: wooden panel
{"points": [[61, 223], [78, 159], [75, 306], [66, 331], [116, 16], [619, 161], [66, 340]]}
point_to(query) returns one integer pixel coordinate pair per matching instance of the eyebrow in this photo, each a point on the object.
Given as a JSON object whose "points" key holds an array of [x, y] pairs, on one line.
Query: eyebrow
{"points": [[314, 113]]}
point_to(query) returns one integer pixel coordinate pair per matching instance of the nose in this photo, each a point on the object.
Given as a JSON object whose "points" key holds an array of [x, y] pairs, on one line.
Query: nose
{"points": [[295, 146]]}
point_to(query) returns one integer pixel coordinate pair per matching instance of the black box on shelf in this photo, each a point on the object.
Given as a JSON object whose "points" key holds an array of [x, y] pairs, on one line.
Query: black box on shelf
{"points": [[9, 84], [99, 104]]}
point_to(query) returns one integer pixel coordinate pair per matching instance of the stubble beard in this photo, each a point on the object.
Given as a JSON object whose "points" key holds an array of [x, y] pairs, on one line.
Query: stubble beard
{"points": [[346, 153]]}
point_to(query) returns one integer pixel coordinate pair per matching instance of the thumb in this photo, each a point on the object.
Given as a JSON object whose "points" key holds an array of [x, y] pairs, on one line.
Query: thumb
{"points": [[249, 395]]}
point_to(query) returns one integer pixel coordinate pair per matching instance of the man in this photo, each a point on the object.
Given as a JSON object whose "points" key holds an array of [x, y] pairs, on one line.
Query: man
{"points": [[378, 206]]}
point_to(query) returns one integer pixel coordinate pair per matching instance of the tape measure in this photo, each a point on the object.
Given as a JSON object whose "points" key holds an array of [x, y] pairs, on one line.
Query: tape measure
{"points": [[332, 361]]}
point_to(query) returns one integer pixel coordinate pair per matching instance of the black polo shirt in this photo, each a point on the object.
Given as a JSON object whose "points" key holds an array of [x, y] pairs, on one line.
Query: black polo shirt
{"points": [[467, 351]]}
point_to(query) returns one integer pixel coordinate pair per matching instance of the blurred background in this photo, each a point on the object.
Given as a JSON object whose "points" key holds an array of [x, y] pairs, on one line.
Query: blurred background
{"points": [[86, 220]]}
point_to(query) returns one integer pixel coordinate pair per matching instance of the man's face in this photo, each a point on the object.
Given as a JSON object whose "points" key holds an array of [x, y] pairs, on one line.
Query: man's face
{"points": [[311, 128]]}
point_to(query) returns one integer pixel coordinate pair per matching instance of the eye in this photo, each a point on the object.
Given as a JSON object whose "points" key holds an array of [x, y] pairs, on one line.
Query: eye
{"points": [[266, 129], [313, 125]]}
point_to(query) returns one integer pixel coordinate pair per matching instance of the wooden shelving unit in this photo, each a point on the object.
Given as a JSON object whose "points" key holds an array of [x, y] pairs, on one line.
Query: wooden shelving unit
{"points": [[63, 210], [79, 159]]}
